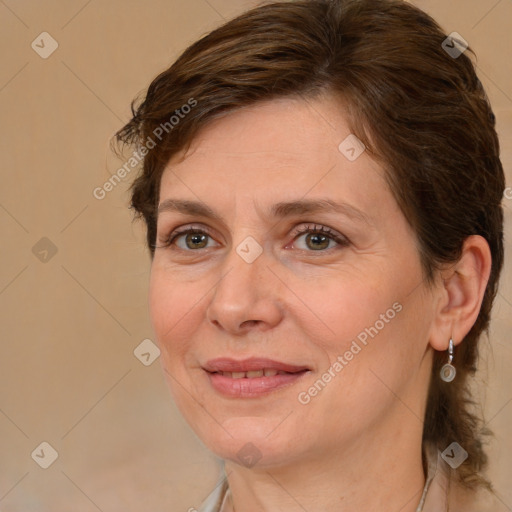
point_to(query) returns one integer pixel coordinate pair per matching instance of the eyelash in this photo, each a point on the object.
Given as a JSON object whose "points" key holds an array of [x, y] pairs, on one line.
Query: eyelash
{"points": [[341, 240]]}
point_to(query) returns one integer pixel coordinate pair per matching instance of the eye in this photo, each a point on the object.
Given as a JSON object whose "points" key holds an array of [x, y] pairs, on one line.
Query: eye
{"points": [[193, 238], [318, 238]]}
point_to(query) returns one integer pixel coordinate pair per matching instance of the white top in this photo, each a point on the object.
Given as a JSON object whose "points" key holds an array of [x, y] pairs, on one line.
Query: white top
{"points": [[434, 498]]}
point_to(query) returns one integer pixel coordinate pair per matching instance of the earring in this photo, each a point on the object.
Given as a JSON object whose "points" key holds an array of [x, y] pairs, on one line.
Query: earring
{"points": [[448, 371]]}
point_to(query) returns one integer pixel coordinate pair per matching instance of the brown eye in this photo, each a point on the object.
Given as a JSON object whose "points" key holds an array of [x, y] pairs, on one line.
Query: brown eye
{"points": [[193, 239], [317, 241], [319, 238]]}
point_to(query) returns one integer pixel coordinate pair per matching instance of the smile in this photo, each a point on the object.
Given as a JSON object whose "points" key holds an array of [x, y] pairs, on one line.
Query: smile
{"points": [[267, 372]]}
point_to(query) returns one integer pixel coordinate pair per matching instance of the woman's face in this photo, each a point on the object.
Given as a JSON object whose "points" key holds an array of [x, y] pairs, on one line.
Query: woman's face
{"points": [[347, 305]]}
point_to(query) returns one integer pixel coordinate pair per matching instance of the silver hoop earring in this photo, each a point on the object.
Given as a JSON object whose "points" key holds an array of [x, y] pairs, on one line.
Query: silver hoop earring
{"points": [[448, 371]]}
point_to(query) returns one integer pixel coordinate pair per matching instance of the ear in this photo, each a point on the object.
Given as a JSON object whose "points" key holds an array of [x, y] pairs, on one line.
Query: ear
{"points": [[460, 293]]}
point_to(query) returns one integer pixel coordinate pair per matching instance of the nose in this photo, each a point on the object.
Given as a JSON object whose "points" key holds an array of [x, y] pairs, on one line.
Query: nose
{"points": [[247, 296]]}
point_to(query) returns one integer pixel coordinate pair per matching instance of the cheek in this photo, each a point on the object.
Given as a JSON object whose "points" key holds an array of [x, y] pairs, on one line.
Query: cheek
{"points": [[382, 345], [346, 307], [173, 307], [160, 301], [374, 325]]}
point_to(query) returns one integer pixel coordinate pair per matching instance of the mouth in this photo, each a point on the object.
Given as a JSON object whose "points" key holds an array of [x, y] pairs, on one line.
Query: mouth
{"points": [[252, 377], [251, 365], [266, 372]]}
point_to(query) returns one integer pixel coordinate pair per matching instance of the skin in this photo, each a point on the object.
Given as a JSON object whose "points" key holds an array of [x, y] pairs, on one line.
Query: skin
{"points": [[303, 305]]}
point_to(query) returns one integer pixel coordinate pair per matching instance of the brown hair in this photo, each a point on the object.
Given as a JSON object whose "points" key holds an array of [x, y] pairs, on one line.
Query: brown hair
{"points": [[419, 110]]}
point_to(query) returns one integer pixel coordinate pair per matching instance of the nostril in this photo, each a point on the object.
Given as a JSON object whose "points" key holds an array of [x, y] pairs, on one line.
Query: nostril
{"points": [[249, 323]]}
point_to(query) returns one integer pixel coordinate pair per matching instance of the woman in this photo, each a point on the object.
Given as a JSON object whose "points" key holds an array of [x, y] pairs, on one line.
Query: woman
{"points": [[322, 189]]}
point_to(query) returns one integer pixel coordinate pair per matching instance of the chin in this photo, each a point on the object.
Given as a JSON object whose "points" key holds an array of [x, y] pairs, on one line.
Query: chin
{"points": [[251, 441]]}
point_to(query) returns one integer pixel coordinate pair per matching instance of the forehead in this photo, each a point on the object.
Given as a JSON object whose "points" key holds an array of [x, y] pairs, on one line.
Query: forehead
{"points": [[274, 151], [282, 127], [291, 134]]}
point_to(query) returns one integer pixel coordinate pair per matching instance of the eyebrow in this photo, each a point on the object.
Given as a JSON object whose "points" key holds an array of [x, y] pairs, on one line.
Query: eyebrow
{"points": [[278, 210]]}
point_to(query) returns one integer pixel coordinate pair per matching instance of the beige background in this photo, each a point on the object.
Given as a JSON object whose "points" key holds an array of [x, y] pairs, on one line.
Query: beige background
{"points": [[69, 325]]}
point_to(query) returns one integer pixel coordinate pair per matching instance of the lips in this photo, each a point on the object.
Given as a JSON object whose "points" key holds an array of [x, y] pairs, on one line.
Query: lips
{"points": [[251, 378], [249, 367]]}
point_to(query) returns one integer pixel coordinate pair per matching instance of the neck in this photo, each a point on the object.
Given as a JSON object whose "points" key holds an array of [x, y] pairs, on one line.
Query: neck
{"points": [[377, 472]]}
